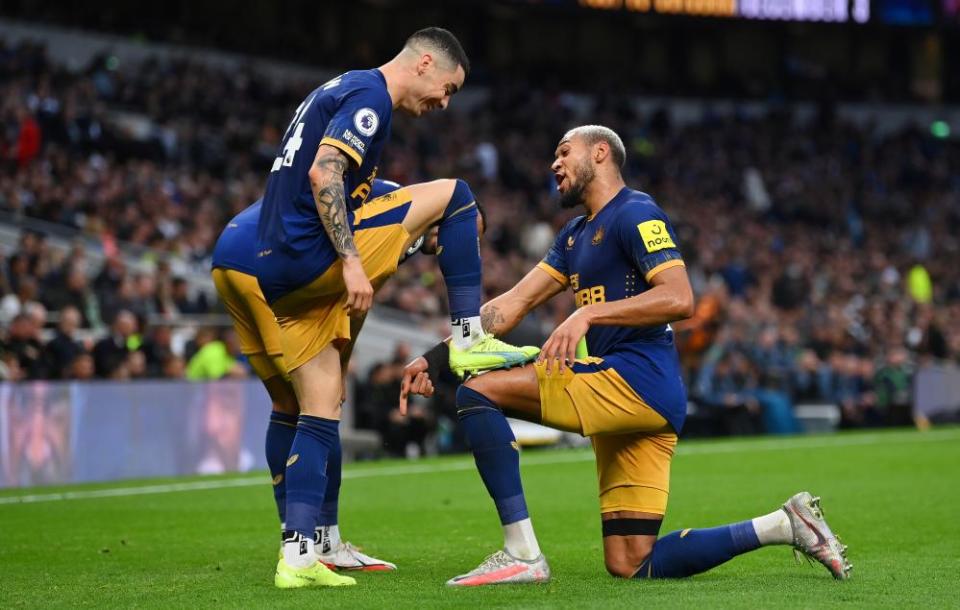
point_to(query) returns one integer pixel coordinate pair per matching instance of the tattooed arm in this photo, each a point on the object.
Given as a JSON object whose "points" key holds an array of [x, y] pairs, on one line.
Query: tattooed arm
{"points": [[503, 313], [326, 180]]}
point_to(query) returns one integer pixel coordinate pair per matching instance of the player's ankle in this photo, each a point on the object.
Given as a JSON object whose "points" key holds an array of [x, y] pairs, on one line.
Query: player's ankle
{"points": [[520, 541], [773, 528], [298, 550], [327, 538], [466, 332]]}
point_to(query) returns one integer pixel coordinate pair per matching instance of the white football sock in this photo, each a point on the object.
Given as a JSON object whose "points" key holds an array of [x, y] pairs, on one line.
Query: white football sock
{"points": [[329, 538], [774, 528], [520, 541], [464, 332], [298, 551]]}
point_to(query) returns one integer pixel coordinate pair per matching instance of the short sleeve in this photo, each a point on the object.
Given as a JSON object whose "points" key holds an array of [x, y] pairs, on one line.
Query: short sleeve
{"points": [[649, 240], [555, 262], [354, 125]]}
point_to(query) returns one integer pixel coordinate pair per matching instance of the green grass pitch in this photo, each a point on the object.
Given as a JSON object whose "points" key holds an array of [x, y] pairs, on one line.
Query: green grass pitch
{"points": [[892, 496]]}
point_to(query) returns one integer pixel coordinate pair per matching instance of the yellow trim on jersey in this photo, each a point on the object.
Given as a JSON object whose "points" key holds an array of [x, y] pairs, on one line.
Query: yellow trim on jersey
{"points": [[662, 266], [344, 147], [554, 273], [463, 209]]}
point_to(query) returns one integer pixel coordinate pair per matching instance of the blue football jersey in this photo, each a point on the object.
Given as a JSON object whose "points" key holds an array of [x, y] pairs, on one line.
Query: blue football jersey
{"points": [[612, 256], [236, 246], [352, 112]]}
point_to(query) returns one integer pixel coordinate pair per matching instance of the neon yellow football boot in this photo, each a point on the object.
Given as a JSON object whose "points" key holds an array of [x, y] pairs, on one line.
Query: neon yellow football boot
{"points": [[317, 575], [488, 354]]}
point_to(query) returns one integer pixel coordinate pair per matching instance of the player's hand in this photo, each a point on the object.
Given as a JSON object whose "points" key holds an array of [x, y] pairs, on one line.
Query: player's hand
{"points": [[359, 289], [416, 380], [561, 346]]}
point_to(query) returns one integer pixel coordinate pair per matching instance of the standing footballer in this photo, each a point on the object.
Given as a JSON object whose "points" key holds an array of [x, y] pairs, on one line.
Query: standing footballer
{"points": [[321, 248]]}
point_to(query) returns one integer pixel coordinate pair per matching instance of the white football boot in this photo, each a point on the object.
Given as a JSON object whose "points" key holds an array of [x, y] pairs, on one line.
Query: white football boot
{"points": [[812, 536], [501, 568], [345, 556]]}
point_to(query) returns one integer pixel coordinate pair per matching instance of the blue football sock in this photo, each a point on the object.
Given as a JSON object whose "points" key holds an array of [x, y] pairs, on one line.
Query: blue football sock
{"points": [[459, 253], [495, 452], [331, 498], [306, 481], [280, 432], [689, 552]]}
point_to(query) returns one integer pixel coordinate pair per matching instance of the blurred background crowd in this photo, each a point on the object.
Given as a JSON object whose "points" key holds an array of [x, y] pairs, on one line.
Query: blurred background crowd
{"points": [[822, 251]]}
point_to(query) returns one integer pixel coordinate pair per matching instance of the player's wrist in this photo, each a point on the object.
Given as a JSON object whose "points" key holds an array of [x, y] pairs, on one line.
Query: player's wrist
{"points": [[588, 313], [438, 360], [352, 263]]}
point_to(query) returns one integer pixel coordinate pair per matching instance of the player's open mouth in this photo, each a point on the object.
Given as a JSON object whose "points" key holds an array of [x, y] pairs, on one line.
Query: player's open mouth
{"points": [[559, 178]]}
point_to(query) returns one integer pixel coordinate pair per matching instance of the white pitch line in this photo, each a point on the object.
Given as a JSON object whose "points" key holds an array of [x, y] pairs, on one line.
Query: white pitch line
{"points": [[545, 459]]}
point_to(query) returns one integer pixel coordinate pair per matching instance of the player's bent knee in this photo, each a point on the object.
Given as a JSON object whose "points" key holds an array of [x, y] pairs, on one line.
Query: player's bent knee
{"points": [[282, 394], [619, 568], [325, 411], [625, 561]]}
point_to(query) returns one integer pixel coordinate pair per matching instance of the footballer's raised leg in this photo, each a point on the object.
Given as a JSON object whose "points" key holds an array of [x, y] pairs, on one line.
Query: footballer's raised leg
{"points": [[452, 205]]}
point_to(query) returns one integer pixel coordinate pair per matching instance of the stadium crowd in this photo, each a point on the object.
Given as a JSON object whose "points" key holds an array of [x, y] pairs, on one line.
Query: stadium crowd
{"points": [[820, 251]]}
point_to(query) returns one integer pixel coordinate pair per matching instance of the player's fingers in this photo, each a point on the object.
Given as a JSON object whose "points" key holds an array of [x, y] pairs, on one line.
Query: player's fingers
{"points": [[418, 383], [543, 358], [562, 353], [571, 351], [348, 304], [423, 384], [548, 353], [404, 389]]}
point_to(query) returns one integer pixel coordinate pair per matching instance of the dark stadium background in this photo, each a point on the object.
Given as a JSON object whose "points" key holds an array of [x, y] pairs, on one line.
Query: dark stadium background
{"points": [[812, 171]]}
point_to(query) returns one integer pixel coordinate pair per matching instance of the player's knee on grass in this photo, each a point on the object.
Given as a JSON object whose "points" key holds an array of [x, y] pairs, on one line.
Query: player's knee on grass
{"points": [[623, 558], [628, 539]]}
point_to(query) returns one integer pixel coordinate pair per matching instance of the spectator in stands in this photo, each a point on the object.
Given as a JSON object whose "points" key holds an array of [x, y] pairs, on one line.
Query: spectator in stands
{"points": [[23, 341], [136, 364], [174, 367], [70, 286], [853, 390], [157, 347], [182, 301], [14, 304], [402, 436], [81, 368], [893, 385], [216, 358], [64, 348], [811, 379], [10, 366], [773, 358], [725, 385], [110, 353]]}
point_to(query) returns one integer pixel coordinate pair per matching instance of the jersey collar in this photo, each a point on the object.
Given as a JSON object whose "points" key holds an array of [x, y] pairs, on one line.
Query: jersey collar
{"points": [[620, 196]]}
